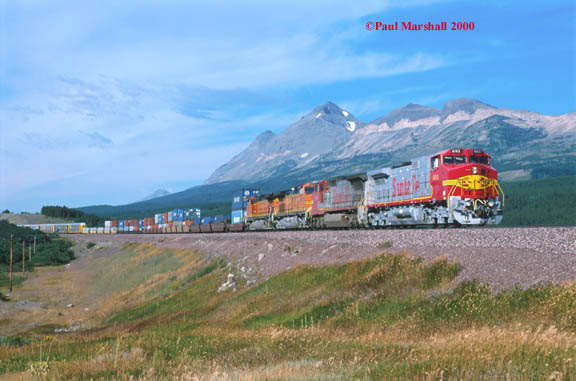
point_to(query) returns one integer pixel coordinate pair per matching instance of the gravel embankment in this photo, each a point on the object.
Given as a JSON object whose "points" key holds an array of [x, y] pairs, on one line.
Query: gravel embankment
{"points": [[503, 257]]}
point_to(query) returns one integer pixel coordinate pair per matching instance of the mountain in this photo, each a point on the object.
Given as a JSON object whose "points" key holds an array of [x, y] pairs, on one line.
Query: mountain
{"points": [[319, 132], [155, 194], [524, 144]]}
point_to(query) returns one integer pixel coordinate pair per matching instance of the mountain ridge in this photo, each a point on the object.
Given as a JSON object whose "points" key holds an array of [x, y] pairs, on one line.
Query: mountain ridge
{"points": [[316, 133], [409, 130]]}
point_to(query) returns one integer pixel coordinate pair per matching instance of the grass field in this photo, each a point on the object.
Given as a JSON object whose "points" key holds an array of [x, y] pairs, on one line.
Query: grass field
{"points": [[388, 317]]}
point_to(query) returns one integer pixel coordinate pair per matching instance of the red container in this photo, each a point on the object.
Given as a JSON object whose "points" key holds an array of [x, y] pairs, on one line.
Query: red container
{"points": [[114, 223]]}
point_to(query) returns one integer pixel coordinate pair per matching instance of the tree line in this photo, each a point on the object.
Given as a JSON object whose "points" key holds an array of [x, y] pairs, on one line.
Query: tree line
{"points": [[543, 202], [50, 248], [61, 212], [91, 220]]}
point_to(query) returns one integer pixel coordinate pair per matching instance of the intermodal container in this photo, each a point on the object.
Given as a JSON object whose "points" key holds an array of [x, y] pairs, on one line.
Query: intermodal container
{"points": [[240, 198], [121, 224], [238, 216]]}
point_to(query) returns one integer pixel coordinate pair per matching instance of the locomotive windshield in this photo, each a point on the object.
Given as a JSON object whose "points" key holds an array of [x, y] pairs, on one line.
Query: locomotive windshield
{"points": [[479, 159], [454, 159]]}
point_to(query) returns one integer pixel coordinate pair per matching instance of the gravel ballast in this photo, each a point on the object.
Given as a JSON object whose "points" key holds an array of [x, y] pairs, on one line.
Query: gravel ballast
{"points": [[502, 257]]}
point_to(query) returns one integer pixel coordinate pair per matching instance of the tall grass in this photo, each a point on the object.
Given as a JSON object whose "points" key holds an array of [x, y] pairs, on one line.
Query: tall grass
{"points": [[388, 317]]}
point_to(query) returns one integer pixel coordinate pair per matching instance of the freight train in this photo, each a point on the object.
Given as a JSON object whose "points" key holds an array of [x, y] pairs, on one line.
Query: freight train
{"points": [[457, 187]]}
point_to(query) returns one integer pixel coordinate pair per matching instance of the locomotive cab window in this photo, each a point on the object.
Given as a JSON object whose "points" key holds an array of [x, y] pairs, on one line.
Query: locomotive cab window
{"points": [[435, 162], [479, 159], [454, 159], [309, 190]]}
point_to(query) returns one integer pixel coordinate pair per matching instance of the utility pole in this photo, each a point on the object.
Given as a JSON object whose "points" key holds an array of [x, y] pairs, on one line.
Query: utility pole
{"points": [[34, 245], [29, 254], [23, 255], [11, 242]]}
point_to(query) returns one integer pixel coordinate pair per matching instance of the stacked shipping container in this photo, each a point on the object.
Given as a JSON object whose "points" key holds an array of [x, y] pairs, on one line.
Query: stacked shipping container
{"points": [[239, 203], [177, 220]]}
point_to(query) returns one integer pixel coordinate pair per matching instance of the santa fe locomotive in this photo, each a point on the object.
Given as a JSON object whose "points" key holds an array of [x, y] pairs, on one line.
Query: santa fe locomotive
{"points": [[452, 187]]}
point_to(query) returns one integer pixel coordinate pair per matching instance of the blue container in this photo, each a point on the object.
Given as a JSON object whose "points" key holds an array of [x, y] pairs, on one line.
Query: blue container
{"points": [[238, 216], [240, 198], [219, 219], [141, 223], [161, 219], [178, 215], [121, 224], [197, 221], [206, 220]]}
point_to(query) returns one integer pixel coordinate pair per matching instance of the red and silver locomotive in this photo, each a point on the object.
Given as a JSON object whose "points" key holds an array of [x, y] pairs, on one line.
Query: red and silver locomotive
{"points": [[452, 187]]}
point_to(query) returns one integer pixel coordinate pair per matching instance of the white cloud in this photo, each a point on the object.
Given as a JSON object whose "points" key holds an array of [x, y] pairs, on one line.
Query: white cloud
{"points": [[249, 44]]}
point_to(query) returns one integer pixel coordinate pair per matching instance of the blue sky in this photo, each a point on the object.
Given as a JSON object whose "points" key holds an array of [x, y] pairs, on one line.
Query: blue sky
{"points": [[105, 102]]}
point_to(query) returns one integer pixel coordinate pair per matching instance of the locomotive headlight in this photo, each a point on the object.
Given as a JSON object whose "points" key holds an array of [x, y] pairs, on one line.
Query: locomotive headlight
{"points": [[474, 170], [491, 203]]}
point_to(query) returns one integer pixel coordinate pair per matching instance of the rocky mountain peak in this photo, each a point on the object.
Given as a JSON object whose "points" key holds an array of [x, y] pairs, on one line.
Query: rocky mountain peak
{"points": [[264, 137], [467, 105], [320, 131], [331, 113], [157, 193], [410, 112], [327, 108]]}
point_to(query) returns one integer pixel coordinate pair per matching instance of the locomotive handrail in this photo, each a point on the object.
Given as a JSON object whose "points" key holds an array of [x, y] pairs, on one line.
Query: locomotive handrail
{"points": [[452, 190], [502, 191]]}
